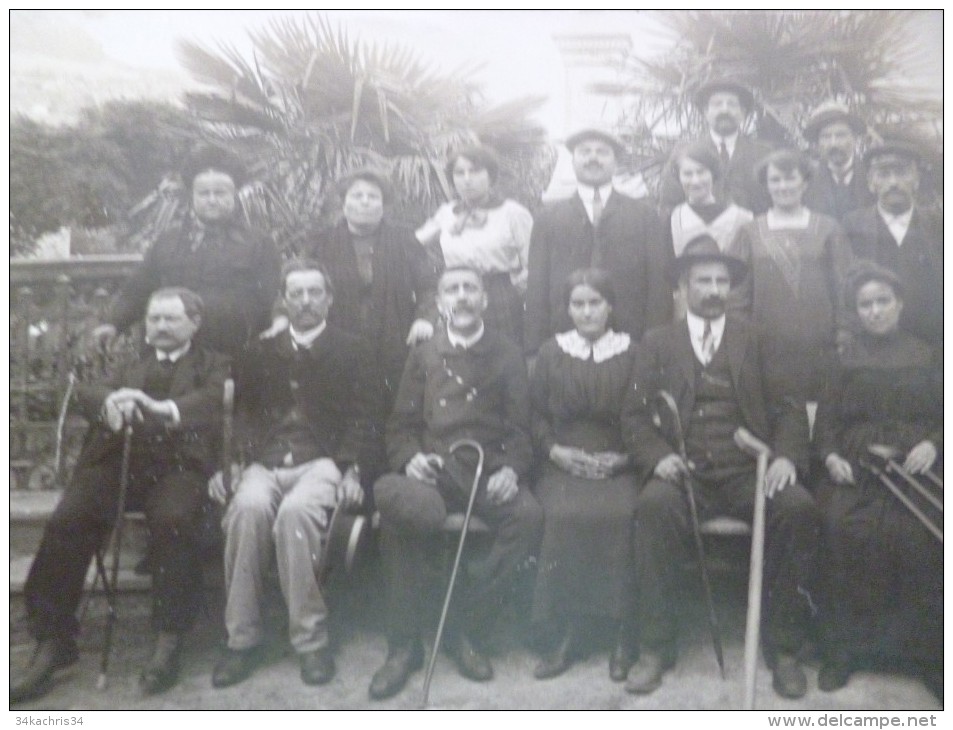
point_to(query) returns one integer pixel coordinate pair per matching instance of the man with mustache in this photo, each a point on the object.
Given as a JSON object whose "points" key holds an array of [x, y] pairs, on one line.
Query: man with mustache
{"points": [[465, 382], [596, 228], [172, 398], [839, 185], [725, 105], [302, 423], [712, 366], [903, 237]]}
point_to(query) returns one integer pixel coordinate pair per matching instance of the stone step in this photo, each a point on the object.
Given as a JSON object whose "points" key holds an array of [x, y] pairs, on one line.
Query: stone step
{"points": [[29, 512]]}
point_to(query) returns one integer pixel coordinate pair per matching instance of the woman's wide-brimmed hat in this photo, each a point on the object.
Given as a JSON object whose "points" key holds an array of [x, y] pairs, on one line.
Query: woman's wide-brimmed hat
{"points": [[704, 249]]}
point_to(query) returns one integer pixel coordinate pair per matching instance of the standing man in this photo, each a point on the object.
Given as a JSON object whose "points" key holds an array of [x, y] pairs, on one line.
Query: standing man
{"points": [[899, 235], [303, 418], [840, 183], [466, 382], [597, 227], [713, 367], [172, 398], [725, 105]]}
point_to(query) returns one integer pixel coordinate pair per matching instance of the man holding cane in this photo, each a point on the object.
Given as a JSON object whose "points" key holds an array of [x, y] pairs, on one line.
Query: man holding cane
{"points": [[713, 368]]}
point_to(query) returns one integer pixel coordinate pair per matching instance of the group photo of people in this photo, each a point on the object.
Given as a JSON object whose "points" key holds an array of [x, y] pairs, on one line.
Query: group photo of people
{"points": [[554, 397]]}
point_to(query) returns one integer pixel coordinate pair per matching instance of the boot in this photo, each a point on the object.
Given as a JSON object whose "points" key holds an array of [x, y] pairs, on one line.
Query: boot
{"points": [[403, 659], [49, 655], [559, 660], [162, 671]]}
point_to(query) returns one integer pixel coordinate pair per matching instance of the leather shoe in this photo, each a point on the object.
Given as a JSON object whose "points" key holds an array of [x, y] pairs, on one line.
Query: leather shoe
{"points": [[557, 661], [235, 665], [48, 656], [470, 662], [162, 671], [402, 660], [317, 667], [621, 659], [646, 676], [789, 679], [833, 675]]}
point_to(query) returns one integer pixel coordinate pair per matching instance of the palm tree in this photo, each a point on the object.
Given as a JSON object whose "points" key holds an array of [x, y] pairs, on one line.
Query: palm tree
{"points": [[792, 60], [311, 104]]}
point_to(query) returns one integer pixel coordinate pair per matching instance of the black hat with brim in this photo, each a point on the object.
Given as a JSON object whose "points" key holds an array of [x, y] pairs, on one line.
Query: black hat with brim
{"points": [[205, 157], [724, 85], [898, 149], [704, 249], [594, 133], [818, 121]]}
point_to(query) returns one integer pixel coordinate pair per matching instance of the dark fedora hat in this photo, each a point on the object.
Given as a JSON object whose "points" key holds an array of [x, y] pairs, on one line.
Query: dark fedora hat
{"points": [[829, 112], [595, 133], [346, 539], [704, 249], [893, 148], [724, 85], [205, 157]]}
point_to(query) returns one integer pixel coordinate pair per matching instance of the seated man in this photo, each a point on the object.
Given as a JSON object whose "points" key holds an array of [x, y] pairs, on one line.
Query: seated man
{"points": [[712, 366], [463, 383], [302, 422], [172, 398]]}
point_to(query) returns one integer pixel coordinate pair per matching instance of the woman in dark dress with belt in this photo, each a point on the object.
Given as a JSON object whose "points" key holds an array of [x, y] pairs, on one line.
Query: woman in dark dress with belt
{"points": [[883, 602], [586, 486]]}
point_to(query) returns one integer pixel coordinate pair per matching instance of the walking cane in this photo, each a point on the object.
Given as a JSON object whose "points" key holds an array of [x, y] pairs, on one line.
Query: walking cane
{"points": [[228, 411], [456, 561], [891, 455], [904, 499], [60, 427], [746, 441], [112, 586], [666, 398]]}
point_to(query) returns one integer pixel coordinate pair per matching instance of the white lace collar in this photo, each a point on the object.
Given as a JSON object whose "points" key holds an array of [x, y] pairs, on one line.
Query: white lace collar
{"points": [[607, 346]]}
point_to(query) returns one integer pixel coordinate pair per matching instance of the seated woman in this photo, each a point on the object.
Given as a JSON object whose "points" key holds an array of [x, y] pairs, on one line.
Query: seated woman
{"points": [[697, 168], [884, 582], [796, 263], [585, 486], [484, 231]]}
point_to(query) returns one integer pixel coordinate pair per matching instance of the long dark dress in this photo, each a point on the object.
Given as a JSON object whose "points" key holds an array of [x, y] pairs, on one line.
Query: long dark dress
{"points": [[884, 571], [584, 564]]}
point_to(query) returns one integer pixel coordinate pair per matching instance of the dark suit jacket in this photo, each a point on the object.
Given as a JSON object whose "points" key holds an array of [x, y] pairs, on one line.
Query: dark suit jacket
{"points": [[327, 383], [402, 291], [197, 388], [918, 263], [628, 244], [449, 393], [665, 360], [825, 196], [738, 185]]}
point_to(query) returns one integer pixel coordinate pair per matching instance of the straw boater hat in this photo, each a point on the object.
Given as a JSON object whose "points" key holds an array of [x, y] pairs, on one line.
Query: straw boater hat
{"points": [[346, 539], [715, 85], [704, 249], [828, 113], [594, 133]]}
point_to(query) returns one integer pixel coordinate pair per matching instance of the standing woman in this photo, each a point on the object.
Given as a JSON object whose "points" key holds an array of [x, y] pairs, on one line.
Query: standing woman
{"points": [[796, 263], [697, 168], [235, 269], [586, 486], [487, 232], [883, 598]]}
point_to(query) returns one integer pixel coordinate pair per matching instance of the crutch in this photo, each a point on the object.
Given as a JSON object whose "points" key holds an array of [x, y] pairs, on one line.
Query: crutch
{"points": [[746, 441], [904, 499], [456, 561], [111, 586], [891, 456], [668, 401]]}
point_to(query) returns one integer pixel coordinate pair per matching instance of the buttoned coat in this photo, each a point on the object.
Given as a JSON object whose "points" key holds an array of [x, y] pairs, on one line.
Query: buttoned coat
{"points": [[449, 393], [627, 243], [918, 263], [197, 390], [738, 185], [665, 360], [825, 196]]}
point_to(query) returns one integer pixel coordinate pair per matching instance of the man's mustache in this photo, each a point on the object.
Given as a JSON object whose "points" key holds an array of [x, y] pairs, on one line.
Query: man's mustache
{"points": [[712, 301]]}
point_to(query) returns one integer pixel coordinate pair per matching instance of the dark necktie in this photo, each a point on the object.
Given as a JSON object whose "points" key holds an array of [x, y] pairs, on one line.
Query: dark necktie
{"points": [[725, 157], [596, 207], [708, 343]]}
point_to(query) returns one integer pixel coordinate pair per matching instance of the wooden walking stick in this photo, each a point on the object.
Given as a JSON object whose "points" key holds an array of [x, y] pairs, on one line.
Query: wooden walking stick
{"points": [[747, 442], [112, 586], [228, 412]]}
